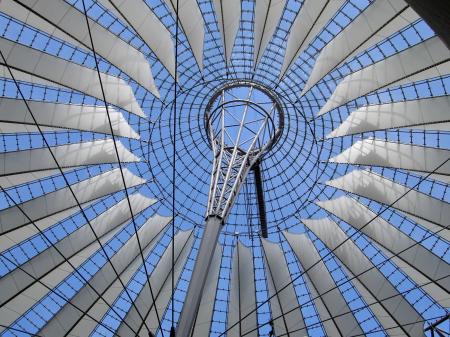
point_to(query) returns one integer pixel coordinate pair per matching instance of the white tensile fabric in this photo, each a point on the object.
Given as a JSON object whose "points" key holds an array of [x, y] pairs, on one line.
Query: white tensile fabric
{"points": [[412, 64], [71, 26], [267, 16], [191, 20], [23, 233], [68, 316], [228, 13], [391, 238], [72, 244], [376, 152], [373, 186], [377, 22], [440, 295], [383, 316], [375, 282], [24, 178], [324, 285], [60, 200], [14, 115], [427, 113], [53, 69], [160, 279], [149, 28], [27, 298], [71, 155], [242, 294], [286, 314], [313, 16], [205, 312]]}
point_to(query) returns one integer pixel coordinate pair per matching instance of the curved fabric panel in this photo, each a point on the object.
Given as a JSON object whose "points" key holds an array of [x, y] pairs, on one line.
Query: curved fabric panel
{"points": [[87, 325], [405, 65], [28, 297], [14, 113], [71, 22], [17, 280], [391, 238], [443, 234], [63, 322], [242, 300], [384, 318], [27, 77], [72, 155], [14, 237], [205, 312], [191, 20], [378, 21], [374, 152], [22, 128], [160, 280], [373, 186], [267, 17], [17, 11], [150, 29], [22, 178], [313, 16], [324, 284], [65, 73], [375, 282], [415, 113], [329, 326], [278, 276], [438, 294], [62, 199], [228, 14]]}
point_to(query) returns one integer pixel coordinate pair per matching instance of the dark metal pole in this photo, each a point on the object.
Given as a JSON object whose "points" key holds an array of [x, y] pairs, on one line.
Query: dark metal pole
{"points": [[260, 198]]}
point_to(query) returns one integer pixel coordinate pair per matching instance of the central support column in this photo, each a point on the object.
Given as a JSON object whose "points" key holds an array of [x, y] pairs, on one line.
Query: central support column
{"points": [[199, 274], [240, 131]]}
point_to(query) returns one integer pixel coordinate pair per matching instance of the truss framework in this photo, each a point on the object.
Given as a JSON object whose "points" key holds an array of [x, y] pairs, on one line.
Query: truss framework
{"points": [[236, 152]]}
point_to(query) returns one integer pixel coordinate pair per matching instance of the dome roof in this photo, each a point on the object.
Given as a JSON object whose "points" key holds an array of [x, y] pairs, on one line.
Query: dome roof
{"points": [[109, 110]]}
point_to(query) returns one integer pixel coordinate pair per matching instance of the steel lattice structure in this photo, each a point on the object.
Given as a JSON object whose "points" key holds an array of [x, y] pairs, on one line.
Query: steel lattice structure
{"points": [[113, 151]]}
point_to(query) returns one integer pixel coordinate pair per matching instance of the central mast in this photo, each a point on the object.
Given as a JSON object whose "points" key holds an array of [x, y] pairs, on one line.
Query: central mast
{"points": [[243, 121]]}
